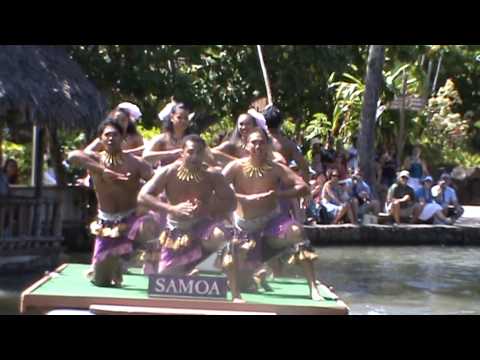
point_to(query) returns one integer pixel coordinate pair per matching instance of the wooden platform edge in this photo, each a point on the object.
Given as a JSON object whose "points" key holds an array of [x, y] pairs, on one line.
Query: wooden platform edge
{"points": [[24, 298]]}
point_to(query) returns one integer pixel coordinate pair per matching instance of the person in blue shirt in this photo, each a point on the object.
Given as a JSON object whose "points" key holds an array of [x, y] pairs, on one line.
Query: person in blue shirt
{"points": [[446, 196], [417, 168], [426, 208], [362, 192]]}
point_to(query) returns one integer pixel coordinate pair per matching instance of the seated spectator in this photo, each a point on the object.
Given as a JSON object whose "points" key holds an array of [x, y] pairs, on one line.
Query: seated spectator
{"points": [[427, 209], [401, 198], [336, 200], [446, 196], [362, 192], [10, 169]]}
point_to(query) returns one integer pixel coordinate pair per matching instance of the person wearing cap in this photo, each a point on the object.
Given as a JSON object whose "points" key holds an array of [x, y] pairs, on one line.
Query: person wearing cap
{"points": [[167, 147], [446, 196], [427, 209], [401, 198], [126, 114]]}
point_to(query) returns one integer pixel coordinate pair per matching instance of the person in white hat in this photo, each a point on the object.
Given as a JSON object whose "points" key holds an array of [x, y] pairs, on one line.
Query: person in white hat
{"points": [[167, 147], [401, 198], [126, 114], [427, 209]]}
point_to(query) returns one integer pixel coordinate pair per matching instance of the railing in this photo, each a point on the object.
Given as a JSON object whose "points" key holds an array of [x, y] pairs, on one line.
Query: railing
{"points": [[29, 225]]}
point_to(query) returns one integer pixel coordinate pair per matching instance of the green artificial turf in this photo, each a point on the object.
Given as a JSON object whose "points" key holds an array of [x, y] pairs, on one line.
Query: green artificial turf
{"points": [[72, 282]]}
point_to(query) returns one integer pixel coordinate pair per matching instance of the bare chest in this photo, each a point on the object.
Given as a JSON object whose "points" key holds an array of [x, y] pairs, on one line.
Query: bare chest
{"points": [[180, 191], [247, 183]]}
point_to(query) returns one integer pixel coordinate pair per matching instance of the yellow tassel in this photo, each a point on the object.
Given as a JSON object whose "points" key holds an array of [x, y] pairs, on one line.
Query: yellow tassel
{"points": [[227, 261]]}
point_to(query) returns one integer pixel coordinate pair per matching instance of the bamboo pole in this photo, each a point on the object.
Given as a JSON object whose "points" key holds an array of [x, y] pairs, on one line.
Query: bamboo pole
{"points": [[265, 75]]}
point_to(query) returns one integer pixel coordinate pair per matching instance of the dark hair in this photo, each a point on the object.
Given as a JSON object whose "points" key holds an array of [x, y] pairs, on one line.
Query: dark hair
{"points": [[131, 127], [13, 179], [109, 121], [259, 130], [195, 139], [168, 121], [273, 116], [236, 133]]}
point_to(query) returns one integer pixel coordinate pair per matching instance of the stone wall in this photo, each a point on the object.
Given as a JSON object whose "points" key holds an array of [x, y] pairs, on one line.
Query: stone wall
{"points": [[393, 235]]}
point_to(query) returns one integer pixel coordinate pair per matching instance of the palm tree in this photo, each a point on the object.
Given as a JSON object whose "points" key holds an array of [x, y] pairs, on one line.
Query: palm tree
{"points": [[373, 85]]}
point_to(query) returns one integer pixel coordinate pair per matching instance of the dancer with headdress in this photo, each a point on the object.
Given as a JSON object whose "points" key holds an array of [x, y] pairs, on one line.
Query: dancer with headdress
{"points": [[167, 147], [127, 114], [234, 148]]}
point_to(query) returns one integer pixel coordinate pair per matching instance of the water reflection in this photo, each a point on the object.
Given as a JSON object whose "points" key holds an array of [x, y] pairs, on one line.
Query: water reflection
{"points": [[374, 281]]}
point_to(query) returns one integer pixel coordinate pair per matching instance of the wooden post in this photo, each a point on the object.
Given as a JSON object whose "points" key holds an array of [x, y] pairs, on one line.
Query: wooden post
{"points": [[37, 154], [265, 75], [37, 172]]}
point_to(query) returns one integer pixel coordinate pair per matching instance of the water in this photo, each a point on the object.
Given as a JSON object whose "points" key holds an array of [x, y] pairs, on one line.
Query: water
{"points": [[371, 280]]}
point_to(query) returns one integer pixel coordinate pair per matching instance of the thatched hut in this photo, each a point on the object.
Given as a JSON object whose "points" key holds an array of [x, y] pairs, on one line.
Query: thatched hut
{"points": [[43, 89], [42, 86]]}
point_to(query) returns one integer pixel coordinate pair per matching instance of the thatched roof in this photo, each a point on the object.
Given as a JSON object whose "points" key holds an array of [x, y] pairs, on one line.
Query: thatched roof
{"points": [[43, 80]]}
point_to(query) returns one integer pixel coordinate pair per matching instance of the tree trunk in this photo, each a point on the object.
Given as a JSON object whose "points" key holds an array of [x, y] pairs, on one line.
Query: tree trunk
{"points": [[373, 86], [402, 137]]}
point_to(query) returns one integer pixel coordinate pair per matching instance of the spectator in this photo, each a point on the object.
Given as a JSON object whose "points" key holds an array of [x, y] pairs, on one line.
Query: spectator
{"points": [[427, 209], [417, 167], [352, 160], [317, 157], [446, 196], [336, 200], [10, 169], [387, 169], [362, 192], [329, 155], [401, 198]]}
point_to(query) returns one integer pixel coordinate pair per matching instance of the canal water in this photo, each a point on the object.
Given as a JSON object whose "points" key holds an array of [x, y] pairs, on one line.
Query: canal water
{"points": [[371, 280]]}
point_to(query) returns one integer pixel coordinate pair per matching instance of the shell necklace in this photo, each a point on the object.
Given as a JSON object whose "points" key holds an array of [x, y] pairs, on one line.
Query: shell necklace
{"points": [[111, 160], [253, 171], [187, 175]]}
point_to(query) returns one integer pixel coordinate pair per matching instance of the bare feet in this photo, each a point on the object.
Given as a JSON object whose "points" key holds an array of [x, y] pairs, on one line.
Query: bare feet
{"points": [[89, 274], [315, 294], [238, 300], [194, 272], [260, 279]]}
